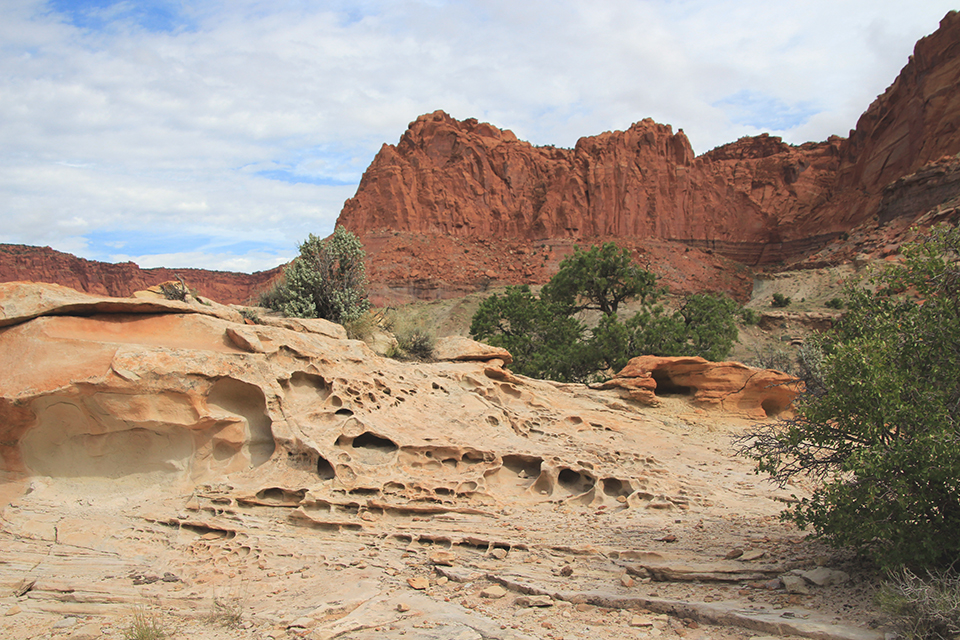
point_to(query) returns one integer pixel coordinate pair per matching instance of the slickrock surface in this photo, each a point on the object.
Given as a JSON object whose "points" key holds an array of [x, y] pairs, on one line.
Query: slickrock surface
{"points": [[185, 465]]}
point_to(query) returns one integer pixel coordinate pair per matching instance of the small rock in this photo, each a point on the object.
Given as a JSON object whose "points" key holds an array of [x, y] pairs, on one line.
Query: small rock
{"points": [[442, 580], [419, 582], [499, 553], [733, 554], [566, 571], [496, 591], [534, 601], [795, 584], [824, 577], [772, 585], [667, 538], [626, 580], [752, 554], [445, 558], [303, 623], [14, 610], [64, 623], [403, 607], [641, 621]]}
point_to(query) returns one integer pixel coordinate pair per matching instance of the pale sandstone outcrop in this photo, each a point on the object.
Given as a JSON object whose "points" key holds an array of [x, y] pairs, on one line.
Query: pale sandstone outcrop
{"points": [[731, 386], [184, 459]]}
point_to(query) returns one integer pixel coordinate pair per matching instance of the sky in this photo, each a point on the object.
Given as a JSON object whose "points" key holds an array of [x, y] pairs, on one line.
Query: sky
{"points": [[219, 133]]}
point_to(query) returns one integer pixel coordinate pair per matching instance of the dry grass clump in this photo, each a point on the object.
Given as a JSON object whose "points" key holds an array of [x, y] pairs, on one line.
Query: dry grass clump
{"points": [[146, 625], [923, 608]]}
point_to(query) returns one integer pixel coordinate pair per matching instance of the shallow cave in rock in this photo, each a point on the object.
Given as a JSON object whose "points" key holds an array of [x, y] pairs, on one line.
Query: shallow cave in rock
{"points": [[667, 387]]}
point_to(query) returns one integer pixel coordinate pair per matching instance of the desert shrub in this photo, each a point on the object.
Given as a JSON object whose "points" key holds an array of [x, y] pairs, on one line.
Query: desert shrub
{"points": [[328, 280], [175, 290], [547, 340], [834, 303], [415, 339], [780, 301], [922, 608], [600, 278], [363, 326], [774, 358], [879, 427], [749, 316], [544, 340]]}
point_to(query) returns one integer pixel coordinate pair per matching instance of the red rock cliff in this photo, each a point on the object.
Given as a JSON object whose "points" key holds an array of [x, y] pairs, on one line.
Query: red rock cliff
{"points": [[756, 200]]}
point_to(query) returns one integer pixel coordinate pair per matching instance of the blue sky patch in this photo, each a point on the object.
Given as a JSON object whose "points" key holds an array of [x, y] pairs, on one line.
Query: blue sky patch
{"points": [[132, 243], [765, 112], [159, 16], [293, 177]]}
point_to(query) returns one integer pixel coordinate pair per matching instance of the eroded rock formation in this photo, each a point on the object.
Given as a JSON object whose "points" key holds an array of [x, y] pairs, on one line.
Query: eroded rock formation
{"points": [[172, 453], [731, 386]]}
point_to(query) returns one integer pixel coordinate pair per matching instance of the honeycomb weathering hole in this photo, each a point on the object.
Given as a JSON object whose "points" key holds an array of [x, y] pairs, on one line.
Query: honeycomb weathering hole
{"points": [[575, 482], [367, 440], [369, 448], [248, 402], [529, 465], [325, 469], [771, 407]]}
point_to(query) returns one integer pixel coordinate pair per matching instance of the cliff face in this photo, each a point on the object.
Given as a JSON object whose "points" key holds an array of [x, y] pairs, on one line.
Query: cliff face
{"points": [[756, 200], [471, 180], [36, 264]]}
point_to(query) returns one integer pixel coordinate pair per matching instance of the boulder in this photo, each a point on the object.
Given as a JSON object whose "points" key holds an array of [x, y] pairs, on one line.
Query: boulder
{"points": [[730, 386]]}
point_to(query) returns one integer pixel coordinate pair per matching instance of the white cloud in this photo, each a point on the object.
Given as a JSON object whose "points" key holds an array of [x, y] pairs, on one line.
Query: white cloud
{"points": [[220, 120]]}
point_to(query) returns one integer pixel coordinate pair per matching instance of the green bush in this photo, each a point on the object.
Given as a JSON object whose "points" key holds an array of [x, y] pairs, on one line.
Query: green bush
{"points": [[780, 301], [547, 340], [599, 278], [328, 280], [749, 316], [834, 303], [879, 427]]}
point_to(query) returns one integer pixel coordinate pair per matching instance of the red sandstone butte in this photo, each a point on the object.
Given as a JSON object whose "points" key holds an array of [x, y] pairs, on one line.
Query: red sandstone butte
{"points": [[756, 200]]}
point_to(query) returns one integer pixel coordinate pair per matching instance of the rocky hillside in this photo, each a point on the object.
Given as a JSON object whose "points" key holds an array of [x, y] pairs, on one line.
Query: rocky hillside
{"points": [[43, 264]]}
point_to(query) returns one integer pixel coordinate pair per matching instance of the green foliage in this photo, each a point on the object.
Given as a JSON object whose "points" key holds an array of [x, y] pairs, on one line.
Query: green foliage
{"points": [[834, 303], [328, 280], [879, 427], [548, 341], [749, 316], [600, 278], [545, 342], [780, 300], [710, 325], [922, 608]]}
